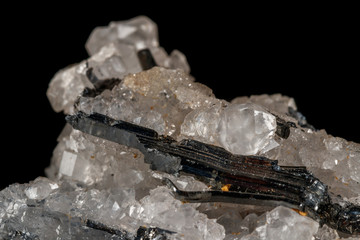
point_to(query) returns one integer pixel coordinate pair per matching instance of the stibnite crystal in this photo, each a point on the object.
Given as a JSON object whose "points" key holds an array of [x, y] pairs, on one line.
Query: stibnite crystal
{"points": [[148, 153]]}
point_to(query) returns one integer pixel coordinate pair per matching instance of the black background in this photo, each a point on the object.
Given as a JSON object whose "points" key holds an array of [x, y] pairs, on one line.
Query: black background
{"points": [[309, 54]]}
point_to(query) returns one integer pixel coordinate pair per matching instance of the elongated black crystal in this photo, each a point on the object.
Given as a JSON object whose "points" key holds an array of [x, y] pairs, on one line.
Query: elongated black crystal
{"points": [[252, 179], [143, 233], [99, 85], [146, 59]]}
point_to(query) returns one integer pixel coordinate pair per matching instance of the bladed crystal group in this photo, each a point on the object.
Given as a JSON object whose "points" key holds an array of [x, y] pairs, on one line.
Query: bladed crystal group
{"points": [[149, 153]]}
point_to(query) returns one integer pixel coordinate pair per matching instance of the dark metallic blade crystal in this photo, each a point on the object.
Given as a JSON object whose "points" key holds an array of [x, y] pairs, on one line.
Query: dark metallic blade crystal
{"points": [[98, 85], [151, 233], [78, 226], [252, 179], [146, 59]]}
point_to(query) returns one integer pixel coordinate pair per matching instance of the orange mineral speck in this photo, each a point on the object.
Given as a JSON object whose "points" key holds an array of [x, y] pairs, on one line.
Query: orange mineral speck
{"points": [[300, 212], [92, 156], [135, 155], [152, 108], [226, 188]]}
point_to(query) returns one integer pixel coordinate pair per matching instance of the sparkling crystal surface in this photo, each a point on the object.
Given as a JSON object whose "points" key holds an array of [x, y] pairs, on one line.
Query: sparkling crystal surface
{"points": [[99, 189], [113, 54], [247, 129]]}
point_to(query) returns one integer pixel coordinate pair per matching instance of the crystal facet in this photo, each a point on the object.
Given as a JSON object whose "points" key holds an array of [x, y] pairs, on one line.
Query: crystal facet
{"points": [[152, 154]]}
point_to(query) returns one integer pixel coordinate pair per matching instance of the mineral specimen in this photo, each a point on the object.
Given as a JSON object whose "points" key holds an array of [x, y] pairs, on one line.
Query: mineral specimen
{"points": [[151, 154]]}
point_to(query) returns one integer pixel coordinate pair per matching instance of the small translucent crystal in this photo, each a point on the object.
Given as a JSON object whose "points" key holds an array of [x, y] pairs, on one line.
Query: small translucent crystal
{"points": [[40, 188], [140, 32], [113, 54], [246, 129], [99, 189]]}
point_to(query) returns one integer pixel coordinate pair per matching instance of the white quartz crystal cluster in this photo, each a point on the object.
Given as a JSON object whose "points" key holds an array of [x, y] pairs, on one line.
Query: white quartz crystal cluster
{"points": [[90, 178], [170, 102], [113, 54]]}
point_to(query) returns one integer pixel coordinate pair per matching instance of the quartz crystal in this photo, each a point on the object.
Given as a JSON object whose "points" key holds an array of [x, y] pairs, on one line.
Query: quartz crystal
{"points": [[100, 189], [247, 129], [113, 54]]}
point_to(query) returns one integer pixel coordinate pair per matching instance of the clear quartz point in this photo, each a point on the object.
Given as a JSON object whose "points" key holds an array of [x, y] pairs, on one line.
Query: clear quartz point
{"points": [[110, 183], [141, 32]]}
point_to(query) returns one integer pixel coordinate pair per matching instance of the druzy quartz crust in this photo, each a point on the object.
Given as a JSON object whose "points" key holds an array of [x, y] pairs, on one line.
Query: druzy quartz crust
{"points": [[149, 153]]}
